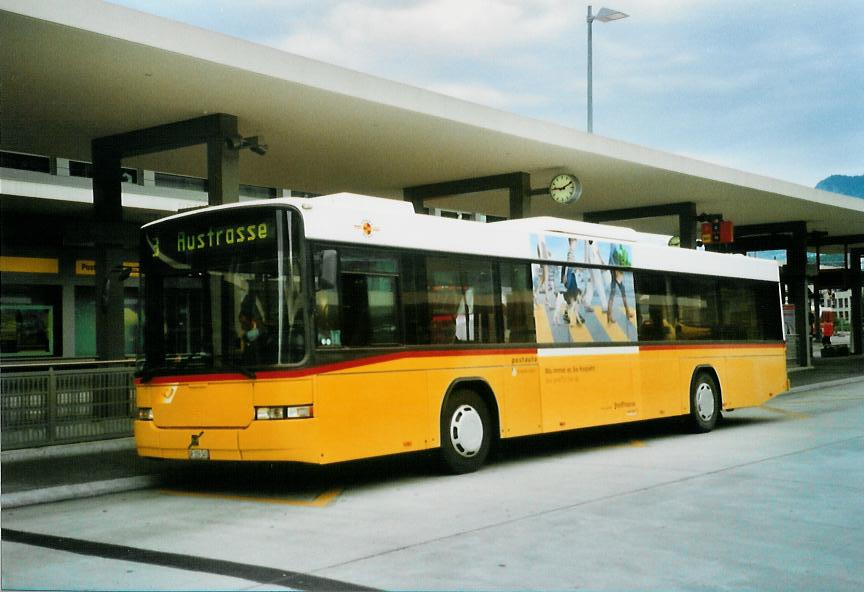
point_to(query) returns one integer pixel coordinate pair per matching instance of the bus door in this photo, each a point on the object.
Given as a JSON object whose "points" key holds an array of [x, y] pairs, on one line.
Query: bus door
{"points": [[370, 399], [522, 409]]}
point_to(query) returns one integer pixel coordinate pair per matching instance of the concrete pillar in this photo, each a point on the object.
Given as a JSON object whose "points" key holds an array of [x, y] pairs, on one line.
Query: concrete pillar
{"points": [[796, 278], [518, 186], [686, 212], [68, 307], [687, 225], [520, 196], [108, 216], [224, 187], [223, 169], [856, 278]]}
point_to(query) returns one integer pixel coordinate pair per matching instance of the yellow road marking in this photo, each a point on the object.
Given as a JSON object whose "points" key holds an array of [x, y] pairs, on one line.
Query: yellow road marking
{"points": [[630, 444], [320, 501], [785, 412]]}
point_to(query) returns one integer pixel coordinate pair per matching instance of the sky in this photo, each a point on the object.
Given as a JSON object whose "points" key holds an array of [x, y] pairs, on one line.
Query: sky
{"points": [[769, 87]]}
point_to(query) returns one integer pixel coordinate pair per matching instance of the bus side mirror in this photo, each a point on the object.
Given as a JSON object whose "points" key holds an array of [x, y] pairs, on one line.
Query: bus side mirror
{"points": [[329, 262], [123, 274]]}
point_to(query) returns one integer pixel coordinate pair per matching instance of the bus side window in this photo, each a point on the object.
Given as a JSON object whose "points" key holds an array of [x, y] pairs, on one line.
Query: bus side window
{"points": [[370, 311], [461, 301], [696, 307], [655, 306], [327, 312], [748, 311], [517, 303], [359, 307]]}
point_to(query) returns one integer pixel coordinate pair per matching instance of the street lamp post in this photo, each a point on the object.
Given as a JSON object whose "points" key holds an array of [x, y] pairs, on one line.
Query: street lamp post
{"points": [[604, 15]]}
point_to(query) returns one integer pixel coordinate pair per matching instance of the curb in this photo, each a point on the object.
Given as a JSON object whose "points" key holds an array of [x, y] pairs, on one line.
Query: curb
{"points": [[77, 491], [826, 384], [64, 450]]}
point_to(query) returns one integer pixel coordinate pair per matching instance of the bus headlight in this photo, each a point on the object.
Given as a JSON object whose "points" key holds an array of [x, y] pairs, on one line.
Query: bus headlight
{"points": [[145, 414], [294, 412]]}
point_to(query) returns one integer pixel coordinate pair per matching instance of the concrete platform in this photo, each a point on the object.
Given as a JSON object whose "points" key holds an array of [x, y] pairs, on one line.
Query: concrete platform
{"points": [[770, 500]]}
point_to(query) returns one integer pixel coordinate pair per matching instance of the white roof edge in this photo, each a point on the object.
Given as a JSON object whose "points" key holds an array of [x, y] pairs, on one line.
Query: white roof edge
{"points": [[340, 217], [258, 202], [145, 29], [355, 201], [549, 224]]}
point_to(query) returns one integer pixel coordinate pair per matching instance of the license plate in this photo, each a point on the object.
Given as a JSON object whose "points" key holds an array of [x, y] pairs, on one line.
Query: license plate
{"points": [[199, 454]]}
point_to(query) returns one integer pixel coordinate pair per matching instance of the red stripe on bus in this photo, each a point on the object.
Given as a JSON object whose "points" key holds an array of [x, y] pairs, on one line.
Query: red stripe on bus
{"points": [[336, 366]]}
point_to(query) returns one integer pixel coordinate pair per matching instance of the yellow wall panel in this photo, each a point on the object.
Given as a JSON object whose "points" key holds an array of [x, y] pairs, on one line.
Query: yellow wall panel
{"points": [[29, 265]]}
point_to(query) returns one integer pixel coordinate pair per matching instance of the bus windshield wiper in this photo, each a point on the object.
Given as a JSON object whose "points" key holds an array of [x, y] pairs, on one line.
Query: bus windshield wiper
{"points": [[147, 374], [225, 364]]}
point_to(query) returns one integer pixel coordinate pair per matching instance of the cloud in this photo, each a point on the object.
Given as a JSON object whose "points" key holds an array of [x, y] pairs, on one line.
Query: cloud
{"points": [[351, 32], [766, 88]]}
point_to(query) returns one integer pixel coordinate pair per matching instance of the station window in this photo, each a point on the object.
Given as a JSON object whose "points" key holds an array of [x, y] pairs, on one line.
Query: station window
{"points": [[180, 182], [78, 168], [25, 162], [30, 321], [257, 192], [85, 321]]}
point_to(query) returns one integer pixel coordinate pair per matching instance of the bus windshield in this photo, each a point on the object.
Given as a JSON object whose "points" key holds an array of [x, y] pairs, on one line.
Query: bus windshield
{"points": [[222, 292]]}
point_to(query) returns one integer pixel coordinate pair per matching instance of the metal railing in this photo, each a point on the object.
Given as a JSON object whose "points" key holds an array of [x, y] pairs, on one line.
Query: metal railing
{"points": [[792, 345], [65, 403]]}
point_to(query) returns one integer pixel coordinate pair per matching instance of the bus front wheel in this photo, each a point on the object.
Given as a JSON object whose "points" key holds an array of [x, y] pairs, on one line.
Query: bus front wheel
{"points": [[704, 403], [466, 432]]}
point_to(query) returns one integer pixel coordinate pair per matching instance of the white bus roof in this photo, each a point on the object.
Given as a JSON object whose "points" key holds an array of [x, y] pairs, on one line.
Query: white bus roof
{"points": [[372, 221]]}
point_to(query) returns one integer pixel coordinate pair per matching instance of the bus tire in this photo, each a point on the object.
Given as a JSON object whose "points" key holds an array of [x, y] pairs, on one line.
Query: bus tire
{"points": [[466, 432], [704, 403]]}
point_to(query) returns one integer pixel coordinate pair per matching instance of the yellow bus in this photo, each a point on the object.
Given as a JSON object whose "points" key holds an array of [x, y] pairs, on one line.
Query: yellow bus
{"points": [[345, 327]]}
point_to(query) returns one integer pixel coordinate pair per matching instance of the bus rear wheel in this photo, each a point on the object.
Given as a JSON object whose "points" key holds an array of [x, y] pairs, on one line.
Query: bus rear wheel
{"points": [[704, 403], [466, 432]]}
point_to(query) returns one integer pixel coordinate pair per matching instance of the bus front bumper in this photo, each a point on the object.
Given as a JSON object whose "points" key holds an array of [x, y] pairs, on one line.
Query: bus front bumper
{"points": [[294, 440]]}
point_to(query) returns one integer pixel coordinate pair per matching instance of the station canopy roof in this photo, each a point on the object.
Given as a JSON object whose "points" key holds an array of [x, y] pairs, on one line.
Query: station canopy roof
{"points": [[69, 74]]}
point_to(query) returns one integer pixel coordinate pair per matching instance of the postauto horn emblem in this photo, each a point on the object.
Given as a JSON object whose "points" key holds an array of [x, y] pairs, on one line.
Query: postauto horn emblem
{"points": [[195, 440]]}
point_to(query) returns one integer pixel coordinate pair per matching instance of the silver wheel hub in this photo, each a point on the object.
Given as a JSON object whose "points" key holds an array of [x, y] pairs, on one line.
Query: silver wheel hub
{"points": [[466, 431], [705, 402]]}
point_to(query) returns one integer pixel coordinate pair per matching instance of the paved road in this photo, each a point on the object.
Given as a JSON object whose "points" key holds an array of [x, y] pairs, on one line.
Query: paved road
{"points": [[771, 500]]}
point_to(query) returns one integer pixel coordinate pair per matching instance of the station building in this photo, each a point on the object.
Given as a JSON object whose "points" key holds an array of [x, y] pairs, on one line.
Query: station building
{"points": [[111, 118]]}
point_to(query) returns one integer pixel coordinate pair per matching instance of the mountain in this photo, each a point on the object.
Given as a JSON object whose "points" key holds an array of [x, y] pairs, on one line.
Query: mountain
{"points": [[844, 184]]}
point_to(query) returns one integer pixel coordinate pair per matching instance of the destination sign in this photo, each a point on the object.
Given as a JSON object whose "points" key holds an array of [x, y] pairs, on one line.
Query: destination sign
{"points": [[221, 237], [186, 240]]}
